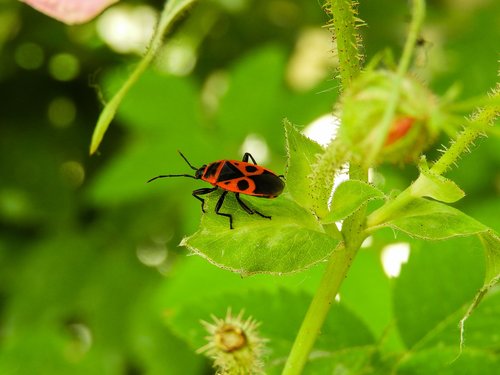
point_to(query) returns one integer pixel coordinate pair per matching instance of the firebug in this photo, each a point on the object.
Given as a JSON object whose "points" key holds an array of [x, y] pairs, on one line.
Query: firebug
{"points": [[234, 176]]}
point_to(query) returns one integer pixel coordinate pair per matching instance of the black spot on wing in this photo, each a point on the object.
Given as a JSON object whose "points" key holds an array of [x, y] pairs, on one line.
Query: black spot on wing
{"points": [[243, 185], [250, 168]]}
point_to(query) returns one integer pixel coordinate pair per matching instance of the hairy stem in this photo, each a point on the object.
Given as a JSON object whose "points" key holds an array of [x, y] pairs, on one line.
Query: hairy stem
{"points": [[344, 25], [485, 116], [344, 28]]}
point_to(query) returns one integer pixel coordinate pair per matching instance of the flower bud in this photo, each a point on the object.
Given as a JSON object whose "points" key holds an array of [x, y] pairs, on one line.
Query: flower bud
{"points": [[234, 345], [362, 109]]}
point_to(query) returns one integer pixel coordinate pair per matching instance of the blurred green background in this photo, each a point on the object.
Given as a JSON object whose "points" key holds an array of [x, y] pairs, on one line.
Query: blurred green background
{"points": [[90, 268]]}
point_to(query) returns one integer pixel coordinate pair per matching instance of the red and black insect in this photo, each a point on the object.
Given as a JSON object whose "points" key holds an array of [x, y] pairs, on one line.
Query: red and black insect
{"points": [[238, 177]]}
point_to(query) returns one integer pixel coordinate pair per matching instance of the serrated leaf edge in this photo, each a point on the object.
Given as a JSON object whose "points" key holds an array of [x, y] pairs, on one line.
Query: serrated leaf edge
{"points": [[195, 251]]}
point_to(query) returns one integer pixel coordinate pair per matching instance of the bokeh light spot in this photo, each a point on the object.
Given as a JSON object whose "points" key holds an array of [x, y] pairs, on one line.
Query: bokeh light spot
{"points": [[323, 129], [64, 67], [368, 242], [257, 146], [283, 13], [81, 340], [312, 60], [393, 257], [214, 88], [61, 112], [14, 204], [178, 57], [29, 56], [152, 254], [73, 173], [126, 28]]}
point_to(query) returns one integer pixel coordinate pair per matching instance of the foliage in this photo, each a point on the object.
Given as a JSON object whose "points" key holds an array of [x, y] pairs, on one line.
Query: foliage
{"points": [[92, 278]]}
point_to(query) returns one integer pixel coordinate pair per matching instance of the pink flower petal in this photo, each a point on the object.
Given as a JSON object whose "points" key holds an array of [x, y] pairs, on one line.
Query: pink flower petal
{"points": [[70, 11]]}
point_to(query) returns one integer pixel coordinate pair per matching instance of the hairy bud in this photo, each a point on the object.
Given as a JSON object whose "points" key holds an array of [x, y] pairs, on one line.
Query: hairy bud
{"points": [[234, 345], [362, 109]]}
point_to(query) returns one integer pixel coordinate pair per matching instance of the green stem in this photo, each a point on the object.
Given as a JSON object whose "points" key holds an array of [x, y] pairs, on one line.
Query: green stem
{"points": [[335, 272], [344, 29], [388, 210], [354, 226], [485, 116], [170, 12], [418, 14], [344, 26]]}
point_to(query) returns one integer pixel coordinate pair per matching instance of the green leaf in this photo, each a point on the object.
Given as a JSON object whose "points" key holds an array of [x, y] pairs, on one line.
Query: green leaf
{"points": [[302, 155], [349, 197], [491, 243], [430, 220], [353, 360], [149, 338], [481, 325], [172, 10], [195, 277], [444, 361], [58, 288], [434, 288], [291, 241], [435, 186], [439, 352]]}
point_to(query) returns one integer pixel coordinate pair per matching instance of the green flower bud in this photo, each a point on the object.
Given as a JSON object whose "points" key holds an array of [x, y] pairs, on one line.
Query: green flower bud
{"points": [[234, 345], [362, 108]]}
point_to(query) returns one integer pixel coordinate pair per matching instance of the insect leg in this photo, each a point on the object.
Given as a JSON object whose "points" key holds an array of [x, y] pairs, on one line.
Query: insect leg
{"points": [[202, 191], [248, 209], [219, 205], [248, 155], [243, 205]]}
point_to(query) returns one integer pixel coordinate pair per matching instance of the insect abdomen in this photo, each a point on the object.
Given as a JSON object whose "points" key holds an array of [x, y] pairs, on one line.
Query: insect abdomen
{"points": [[267, 185]]}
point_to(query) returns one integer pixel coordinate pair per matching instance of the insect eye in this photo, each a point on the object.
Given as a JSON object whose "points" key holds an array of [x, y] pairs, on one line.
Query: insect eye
{"points": [[199, 172]]}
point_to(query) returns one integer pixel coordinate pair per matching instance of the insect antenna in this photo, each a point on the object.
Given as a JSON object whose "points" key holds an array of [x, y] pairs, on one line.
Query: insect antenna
{"points": [[177, 175], [187, 161], [171, 175]]}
